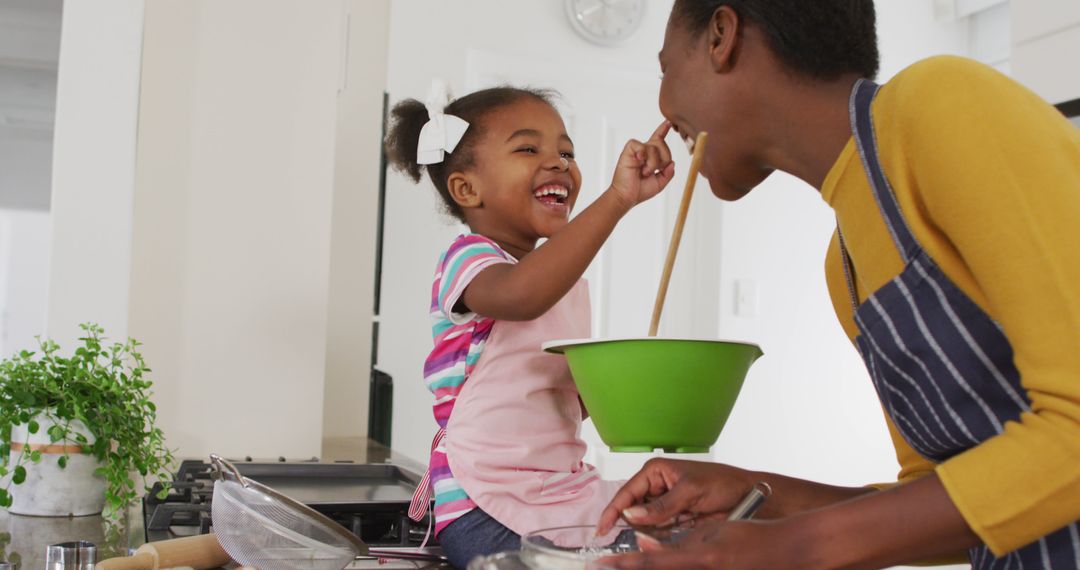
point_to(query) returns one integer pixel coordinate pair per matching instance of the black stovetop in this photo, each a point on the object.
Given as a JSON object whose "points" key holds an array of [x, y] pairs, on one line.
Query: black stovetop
{"points": [[371, 500]]}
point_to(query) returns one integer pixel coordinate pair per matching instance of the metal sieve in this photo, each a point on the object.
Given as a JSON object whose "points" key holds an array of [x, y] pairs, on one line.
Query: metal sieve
{"points": [[260, 527]]}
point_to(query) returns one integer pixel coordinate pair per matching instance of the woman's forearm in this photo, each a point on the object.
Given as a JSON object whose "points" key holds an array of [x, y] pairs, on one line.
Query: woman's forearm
{"points": [[907, 523], [792, 496]]}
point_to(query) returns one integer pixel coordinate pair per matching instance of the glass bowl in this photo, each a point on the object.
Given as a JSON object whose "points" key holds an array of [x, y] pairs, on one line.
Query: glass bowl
{"points": [[500, 561], [574, 547]]}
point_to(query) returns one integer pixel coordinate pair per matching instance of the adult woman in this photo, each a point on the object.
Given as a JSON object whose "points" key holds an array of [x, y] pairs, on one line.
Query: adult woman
{"points": [[954, 270]]}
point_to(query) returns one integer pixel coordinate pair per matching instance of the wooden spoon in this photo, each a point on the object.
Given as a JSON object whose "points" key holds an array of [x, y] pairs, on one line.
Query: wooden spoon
{"points": [[676, 234]]}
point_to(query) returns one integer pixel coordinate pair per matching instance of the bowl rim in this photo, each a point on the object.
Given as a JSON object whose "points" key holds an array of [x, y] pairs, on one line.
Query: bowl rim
{"points": [[528, 540], [559, 346]]}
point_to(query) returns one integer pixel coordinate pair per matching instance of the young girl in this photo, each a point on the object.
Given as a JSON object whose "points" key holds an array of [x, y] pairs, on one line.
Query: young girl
{"points": [[508, 457]]}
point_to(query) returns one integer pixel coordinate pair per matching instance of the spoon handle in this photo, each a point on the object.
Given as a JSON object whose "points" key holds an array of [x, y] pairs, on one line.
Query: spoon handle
{"points": [[676, 234], [750, 503]]}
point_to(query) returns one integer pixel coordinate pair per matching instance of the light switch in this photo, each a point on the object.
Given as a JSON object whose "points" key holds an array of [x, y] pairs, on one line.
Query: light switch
{"points": [[746, 298]]}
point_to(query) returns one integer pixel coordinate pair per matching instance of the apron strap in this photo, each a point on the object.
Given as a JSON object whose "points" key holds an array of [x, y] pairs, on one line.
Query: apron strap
{"points": [[421, 499], [862, 126], [845, 260]]}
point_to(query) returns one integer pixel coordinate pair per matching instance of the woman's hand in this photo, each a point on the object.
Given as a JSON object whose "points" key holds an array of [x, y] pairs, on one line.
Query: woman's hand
{"points": [[644, 168], [667, 488], [826, 527]]}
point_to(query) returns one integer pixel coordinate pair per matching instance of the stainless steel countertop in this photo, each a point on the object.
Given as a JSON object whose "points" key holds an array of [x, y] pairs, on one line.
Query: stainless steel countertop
{"points": [[24, 539]]}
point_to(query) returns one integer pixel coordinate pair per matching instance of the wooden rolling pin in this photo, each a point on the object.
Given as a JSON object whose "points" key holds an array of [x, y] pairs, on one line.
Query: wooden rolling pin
{"points": [[198, 552]]}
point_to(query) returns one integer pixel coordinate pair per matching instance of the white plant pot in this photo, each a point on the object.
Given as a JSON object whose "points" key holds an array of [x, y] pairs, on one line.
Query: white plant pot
{"points": [[49, 490]]}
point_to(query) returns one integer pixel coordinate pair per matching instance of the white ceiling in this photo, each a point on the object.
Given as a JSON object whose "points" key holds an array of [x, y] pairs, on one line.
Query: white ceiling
{"points": [[29, 51]]}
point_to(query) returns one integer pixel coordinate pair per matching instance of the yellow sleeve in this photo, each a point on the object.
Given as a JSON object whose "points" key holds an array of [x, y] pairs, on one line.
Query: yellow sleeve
{"points": [[998, 172]]}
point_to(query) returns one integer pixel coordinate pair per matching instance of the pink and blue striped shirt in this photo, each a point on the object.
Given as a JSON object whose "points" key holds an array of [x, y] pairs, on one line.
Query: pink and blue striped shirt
{"points": [[459, 340]]}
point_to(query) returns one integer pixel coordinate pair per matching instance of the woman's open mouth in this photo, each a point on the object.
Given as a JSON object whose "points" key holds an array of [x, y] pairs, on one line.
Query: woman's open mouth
{"points": [[689, 142], [552, 195]]}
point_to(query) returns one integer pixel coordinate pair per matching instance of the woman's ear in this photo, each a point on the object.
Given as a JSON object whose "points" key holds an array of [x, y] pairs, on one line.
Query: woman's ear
{"points": [[723, 36], [463, 191]]}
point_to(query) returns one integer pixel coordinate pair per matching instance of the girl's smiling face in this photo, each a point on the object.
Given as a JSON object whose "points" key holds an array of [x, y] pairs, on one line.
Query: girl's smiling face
{"points": [[524, 180]]}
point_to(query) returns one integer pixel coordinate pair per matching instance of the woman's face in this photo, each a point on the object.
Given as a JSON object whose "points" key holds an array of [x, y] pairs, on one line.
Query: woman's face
{"points": [[704, 90]]}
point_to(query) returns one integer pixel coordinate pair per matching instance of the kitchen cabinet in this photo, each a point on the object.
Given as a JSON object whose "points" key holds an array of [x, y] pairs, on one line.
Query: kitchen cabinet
{"points": [[252, 243]]}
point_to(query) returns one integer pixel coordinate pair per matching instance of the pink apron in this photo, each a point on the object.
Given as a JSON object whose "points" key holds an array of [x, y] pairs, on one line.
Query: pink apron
{"points": [[514, 438]]}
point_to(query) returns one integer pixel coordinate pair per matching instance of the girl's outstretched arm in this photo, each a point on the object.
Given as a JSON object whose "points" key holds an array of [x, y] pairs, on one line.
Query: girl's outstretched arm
{"points": [[526, 290]]}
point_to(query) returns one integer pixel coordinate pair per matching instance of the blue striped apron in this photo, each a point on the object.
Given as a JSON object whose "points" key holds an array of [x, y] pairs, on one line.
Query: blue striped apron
{"points": [[942, 367]]}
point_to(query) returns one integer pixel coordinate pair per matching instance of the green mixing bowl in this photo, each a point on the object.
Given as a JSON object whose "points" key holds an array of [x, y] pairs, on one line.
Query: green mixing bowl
{"points": [[658, 393]]}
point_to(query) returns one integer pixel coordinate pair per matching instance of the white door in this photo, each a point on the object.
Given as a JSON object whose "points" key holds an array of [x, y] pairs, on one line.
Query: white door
{"points": [[603, 108]]}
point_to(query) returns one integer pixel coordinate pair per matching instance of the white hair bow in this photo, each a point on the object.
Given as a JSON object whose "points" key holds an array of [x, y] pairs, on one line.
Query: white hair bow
{"points": [[442, 133]]}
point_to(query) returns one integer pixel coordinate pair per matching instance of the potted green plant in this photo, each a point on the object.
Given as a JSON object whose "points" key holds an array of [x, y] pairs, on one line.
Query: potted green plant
{"points": [[76, 432]]}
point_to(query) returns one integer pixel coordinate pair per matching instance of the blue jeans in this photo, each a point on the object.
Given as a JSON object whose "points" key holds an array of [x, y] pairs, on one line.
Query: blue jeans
{"points": [[476, 534]]}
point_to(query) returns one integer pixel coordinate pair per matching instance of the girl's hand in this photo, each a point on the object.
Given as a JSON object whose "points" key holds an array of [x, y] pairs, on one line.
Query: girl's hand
{"points": [[666, 488], [644, 168]]}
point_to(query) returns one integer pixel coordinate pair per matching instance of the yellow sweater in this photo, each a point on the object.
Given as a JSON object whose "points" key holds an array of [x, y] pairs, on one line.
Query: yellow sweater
{"points": [[988, 177]]}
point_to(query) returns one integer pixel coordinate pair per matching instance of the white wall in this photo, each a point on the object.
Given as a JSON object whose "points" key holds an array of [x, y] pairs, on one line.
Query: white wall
{"points": [[1046, 42], [990, 36], [93, 167], [909, 31]]}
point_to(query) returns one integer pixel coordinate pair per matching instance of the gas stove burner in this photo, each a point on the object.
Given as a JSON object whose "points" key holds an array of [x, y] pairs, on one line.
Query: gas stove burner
{"points": [[370, 500]]}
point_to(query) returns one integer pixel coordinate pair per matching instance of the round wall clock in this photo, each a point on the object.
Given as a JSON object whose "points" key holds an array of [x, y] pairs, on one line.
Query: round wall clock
{"points": [[605, 22]]}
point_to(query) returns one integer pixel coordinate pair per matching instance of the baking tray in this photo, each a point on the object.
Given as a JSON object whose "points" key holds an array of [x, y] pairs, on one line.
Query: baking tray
{"points": [[336, 485]]}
